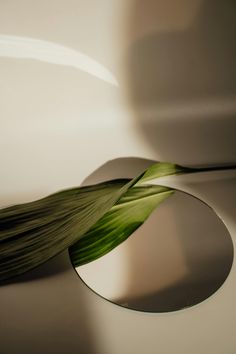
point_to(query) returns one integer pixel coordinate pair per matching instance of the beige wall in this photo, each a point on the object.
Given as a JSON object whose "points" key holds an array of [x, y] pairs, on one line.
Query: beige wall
{"points": [[175, 64]]}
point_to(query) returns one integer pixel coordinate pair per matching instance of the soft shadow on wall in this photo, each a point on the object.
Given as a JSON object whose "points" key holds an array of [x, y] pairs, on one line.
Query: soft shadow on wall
{"points": [[181, 78]]}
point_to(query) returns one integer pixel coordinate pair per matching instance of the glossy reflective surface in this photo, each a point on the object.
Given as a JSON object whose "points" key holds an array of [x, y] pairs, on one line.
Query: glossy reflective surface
{"points": [[178, 258]]}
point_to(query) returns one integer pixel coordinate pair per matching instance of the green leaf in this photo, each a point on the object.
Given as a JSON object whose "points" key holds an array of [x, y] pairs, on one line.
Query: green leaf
{"points": [[162, 169], [126, 216], [32, 233], [119, 223]]}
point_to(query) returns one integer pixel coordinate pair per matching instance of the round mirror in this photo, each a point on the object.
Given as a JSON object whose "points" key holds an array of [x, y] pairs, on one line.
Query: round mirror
{"points": [[179, 257]]}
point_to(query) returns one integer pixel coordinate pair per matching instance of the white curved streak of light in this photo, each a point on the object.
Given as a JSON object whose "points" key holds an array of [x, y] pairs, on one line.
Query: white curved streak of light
{"points": [[31, 48]]}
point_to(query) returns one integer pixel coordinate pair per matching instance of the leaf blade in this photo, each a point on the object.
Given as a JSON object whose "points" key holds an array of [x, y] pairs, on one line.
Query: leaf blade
{"points": [[32, 233], [119, 223], [22, 251]]}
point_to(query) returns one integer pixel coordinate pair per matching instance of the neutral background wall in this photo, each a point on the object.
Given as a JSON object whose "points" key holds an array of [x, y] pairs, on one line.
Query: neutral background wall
{"points": [[175, 64]]}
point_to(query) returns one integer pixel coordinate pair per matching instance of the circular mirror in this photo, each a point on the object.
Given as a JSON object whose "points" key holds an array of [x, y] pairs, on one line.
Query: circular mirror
{"points": [[179, 257]]}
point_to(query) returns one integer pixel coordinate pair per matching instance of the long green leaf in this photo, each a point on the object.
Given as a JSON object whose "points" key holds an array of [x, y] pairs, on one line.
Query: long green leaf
{"points": [[126, 216], [32, 233], [118, 223]]}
